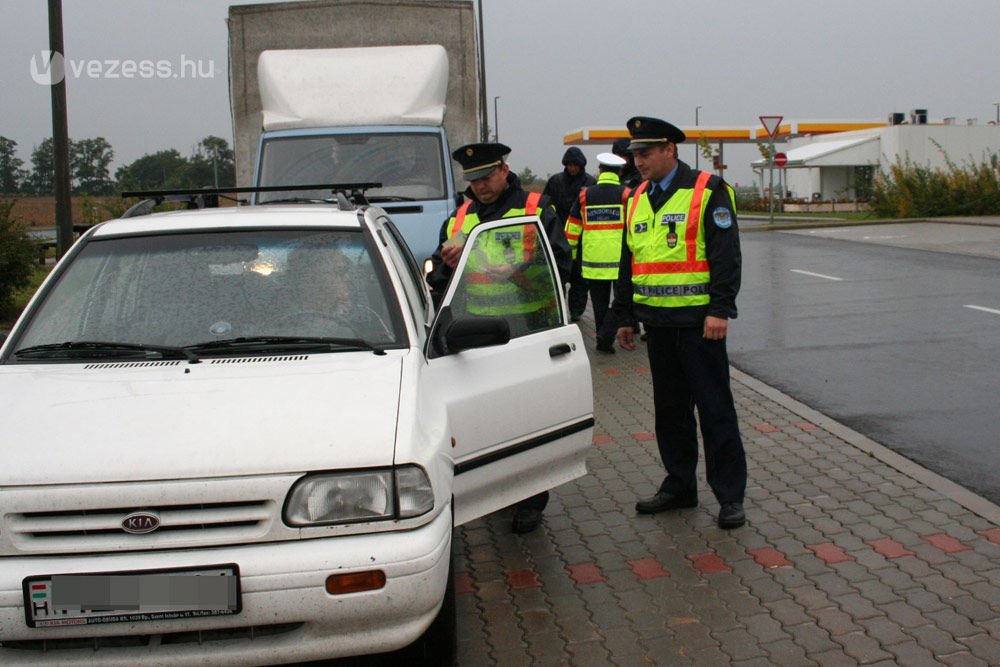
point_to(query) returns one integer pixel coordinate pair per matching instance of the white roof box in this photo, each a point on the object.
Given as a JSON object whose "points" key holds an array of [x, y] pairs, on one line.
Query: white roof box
{"points": [[378, 85]]}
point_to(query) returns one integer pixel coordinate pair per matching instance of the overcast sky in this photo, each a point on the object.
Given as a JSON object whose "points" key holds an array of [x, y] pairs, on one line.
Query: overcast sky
{"points": [[557, 66]]}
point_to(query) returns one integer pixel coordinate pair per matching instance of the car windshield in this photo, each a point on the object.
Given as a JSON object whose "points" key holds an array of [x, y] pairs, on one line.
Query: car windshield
{"points": [[407, 165], [210, 290]]}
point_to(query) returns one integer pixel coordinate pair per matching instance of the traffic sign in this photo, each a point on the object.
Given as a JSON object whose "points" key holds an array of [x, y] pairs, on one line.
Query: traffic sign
{"points": [[771, 123], [780, 159]]}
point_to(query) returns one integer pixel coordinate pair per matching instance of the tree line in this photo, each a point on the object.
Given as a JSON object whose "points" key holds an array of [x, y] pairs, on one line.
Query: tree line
{"points": [[211, 164]]}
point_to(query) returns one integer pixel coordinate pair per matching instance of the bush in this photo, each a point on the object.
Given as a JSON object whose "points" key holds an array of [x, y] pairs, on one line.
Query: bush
{"points": [[17, 256], [907, 190]]}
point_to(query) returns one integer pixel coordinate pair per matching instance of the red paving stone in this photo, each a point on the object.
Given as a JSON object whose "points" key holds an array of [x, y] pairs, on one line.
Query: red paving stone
{"points": [[464, 584], [766, 428], [643, 370], [586, 573], [644, 436], [889, 548], [603, 440], [611, 371], [709, 563], [945, 543], [769, 557], [647, 568], [522, 579], [805, 426], [829, 552], [993, 535]]}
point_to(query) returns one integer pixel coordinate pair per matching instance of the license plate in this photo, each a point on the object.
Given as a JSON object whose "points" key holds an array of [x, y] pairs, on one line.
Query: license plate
{"points": [[130, 597]]}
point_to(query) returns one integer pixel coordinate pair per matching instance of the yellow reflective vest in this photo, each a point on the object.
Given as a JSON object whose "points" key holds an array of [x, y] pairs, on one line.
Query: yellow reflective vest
{"points": [[516, 246], [598, 229], [669, 265]]}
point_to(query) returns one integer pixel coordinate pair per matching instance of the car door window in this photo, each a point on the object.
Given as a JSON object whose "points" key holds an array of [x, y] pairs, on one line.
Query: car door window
{"points": [[506, 273]]}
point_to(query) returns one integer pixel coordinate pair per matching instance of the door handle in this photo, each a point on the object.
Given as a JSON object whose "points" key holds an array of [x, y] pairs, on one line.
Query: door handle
{"points": [[559, 350]]}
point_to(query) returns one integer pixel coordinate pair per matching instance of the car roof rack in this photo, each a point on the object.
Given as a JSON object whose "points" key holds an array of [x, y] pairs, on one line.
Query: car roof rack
{"points": [[348, 195]]}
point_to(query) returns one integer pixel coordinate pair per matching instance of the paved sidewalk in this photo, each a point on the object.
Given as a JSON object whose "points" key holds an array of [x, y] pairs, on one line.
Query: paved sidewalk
{"points": [[851, 554]]}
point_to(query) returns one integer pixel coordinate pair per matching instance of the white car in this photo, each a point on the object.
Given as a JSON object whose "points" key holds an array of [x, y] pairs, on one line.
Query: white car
{"points": [[245, 435]]}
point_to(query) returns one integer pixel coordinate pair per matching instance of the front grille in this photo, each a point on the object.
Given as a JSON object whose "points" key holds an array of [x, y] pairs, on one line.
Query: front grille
{"points": [[192, 513], [249, 632]]}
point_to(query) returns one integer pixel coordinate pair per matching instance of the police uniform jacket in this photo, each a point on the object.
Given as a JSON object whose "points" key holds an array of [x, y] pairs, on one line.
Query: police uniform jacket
{"points": [[722, 249], [514, 197], [564, 190]]}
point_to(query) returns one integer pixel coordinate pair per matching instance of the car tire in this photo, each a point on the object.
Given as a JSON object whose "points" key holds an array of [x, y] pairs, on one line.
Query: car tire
{"points": [[438, 646]]}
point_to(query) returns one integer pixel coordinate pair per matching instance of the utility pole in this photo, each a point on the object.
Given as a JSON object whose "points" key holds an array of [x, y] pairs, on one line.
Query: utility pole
{"points": [[60, 130], [496, 120], [697, 148], [484, 130]]}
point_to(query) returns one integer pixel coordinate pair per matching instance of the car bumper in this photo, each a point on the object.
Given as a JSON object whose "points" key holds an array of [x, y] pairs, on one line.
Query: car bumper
{"points": [[286, 615]]}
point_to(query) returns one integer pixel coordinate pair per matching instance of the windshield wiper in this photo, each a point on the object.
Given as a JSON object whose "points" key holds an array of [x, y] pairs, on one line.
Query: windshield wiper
{"points": [[73, 349], [258, 343], [299, 200], [374, 198]]}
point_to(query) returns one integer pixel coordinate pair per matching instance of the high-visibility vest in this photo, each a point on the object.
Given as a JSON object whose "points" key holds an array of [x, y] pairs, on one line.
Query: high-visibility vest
{"points": [[510, 245], [669, 264], [599, 230]]}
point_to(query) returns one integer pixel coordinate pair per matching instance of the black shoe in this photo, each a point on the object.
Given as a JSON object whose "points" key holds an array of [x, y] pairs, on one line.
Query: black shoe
{"points": [[643, 336], [664, 500], [605, 345], [574, 317], [525, 520], [731, 516]]}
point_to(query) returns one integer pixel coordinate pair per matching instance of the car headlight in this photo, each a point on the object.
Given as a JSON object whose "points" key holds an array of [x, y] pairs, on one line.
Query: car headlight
{"points": [[364, 495]]}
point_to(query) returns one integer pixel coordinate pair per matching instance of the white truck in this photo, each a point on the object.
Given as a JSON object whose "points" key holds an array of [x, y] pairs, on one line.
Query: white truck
{"points": [[374, 92]]}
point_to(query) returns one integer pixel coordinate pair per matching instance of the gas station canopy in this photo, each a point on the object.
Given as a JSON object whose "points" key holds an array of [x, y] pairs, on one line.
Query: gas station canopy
{"points": [[726, 134]]}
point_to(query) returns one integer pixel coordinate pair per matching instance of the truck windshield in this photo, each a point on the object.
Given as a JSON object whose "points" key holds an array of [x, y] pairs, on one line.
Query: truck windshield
{"points": [[182, 290], [408, 165]]}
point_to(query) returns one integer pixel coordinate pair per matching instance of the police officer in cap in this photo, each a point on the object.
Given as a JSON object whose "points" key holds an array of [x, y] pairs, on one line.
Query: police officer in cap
{"points": [[630, 177], [495, 192], [594, 230], [680, 274]]}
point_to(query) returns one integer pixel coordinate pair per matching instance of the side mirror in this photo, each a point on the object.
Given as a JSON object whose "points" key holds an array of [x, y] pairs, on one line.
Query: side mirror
{"points": [[469, 332]]}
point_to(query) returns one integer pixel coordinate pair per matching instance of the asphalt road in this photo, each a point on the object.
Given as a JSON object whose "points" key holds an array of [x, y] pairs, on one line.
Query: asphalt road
{"points": [[893, 330]]}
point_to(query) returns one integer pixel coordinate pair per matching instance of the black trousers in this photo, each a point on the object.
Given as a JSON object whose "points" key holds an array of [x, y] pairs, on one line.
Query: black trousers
{"points": [[577, 296], [691, 372], [605, 321]]}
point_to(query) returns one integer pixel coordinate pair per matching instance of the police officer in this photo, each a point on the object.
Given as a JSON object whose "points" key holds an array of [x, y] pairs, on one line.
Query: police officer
{"points": [[495, 192], [594, 232], [680, 275], [630, 177]]}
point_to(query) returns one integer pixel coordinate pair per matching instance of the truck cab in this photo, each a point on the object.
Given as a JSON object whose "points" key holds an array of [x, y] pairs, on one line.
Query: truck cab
{"points": [[360, 115]]}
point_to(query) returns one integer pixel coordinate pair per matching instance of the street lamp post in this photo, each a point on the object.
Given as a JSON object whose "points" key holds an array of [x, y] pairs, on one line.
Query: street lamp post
{"points": [[697, 147], [496, 120], [997, 105]]}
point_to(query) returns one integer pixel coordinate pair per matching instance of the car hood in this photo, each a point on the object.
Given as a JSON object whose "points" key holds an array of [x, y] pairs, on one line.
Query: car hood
{"points": [[219, 418]]}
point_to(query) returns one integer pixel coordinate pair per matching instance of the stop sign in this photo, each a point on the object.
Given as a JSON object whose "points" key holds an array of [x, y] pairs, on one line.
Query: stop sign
{"points": [[780, 159]]}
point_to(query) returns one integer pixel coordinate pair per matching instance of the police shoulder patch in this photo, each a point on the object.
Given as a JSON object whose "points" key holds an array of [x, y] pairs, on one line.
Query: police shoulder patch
{"points": [[723, 218]]}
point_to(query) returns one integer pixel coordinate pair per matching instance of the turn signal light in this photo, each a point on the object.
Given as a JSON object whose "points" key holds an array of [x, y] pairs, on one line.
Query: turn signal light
{"points": [[355, 582]]}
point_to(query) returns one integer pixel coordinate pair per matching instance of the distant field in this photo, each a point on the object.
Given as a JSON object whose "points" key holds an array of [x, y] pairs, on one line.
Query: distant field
{"points": [[41, 211]]}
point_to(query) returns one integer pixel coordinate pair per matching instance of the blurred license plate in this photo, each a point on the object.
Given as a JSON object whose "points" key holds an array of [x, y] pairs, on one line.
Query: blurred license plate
{"points": [[129, 597]]}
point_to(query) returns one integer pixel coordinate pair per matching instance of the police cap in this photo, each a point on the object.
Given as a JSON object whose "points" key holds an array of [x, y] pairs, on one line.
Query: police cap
{"points": [[478, 160], [610, 160], [646, 131], [620, 147]]}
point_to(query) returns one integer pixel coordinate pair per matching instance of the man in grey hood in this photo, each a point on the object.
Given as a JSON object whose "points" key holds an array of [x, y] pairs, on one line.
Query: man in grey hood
{"points": [[564, 189]]}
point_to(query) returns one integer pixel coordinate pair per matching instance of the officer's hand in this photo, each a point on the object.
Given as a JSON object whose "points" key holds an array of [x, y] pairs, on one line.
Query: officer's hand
{"points": [[715, 328], [450, 255], [500, 272], [626, 338]]}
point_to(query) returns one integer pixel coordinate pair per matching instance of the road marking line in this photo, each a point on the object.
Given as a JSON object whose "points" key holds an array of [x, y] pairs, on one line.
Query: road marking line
{"points": [[817, 275], [985, 310]]}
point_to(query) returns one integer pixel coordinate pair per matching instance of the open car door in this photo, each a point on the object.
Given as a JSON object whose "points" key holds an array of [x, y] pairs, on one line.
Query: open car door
{"points": [[512, 370]]}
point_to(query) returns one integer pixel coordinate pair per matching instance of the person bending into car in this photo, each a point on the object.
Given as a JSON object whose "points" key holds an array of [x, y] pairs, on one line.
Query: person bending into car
{"points": [[494, 193]]}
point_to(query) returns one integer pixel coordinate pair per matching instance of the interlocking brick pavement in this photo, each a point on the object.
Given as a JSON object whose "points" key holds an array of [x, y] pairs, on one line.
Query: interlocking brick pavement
{"points": [[851, 554]]}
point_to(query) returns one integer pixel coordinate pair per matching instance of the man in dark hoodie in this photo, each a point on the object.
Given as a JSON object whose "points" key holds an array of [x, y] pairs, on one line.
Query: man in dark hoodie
{"points": [[564, 189], [495, 192]]}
